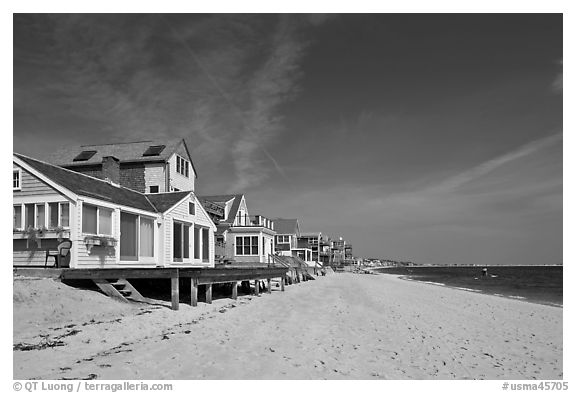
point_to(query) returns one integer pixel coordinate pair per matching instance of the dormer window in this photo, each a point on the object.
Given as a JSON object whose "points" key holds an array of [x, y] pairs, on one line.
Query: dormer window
{"points": [[85, 155], [154, 151], [182, 166]]}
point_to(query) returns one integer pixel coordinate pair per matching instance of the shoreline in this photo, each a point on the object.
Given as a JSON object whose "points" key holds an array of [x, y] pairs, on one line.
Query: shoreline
{"points": [[481, 292]]}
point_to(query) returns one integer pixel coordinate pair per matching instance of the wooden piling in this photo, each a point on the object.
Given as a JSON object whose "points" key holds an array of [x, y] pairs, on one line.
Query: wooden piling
{"points": [[234, 290], [194, 292], [209, 293], [268, 285], [175, 289], [256, 287], [282, 283]]}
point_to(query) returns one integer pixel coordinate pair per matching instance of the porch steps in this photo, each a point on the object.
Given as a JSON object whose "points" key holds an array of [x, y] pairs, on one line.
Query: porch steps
{"points": [[120, 289]]}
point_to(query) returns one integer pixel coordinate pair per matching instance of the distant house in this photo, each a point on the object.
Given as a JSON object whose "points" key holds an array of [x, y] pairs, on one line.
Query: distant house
{"points": [[144, 166], [287, 232], [287, 235], [110, 225], [240, 237], [310, 242]]}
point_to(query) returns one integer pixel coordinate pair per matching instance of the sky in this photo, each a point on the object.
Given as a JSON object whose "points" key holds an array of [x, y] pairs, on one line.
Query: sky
{"points": [[435, 138]]}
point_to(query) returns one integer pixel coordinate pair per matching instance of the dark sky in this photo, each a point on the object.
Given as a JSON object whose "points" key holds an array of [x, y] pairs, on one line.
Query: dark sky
{"points": [[425, 137]]}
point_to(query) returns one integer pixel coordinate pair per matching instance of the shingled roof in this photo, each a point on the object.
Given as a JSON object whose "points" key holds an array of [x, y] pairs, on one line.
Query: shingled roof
{"points": [[164, 201], [222, 200], [286, 225], [85, 185], [123, 151]]}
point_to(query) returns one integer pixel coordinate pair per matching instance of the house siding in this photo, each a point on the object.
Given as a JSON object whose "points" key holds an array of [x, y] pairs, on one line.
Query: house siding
{"points": [[180, 213], [263, 254], [155, 175], [132, 176], [177, 180], [32, 186]]}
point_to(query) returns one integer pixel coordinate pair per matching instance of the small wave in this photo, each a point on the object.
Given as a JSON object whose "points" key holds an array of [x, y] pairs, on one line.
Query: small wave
{"points": [[467, 289], [516, 297], [434, 283]]}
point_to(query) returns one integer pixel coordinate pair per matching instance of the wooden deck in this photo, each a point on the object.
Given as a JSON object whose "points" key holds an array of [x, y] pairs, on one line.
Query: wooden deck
{"points": [[198, 276]]}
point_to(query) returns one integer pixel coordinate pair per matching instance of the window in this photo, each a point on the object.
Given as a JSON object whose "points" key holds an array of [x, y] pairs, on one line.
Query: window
{"points": [[29, 210], [58, 214], [146, 237], [85, 155], [181, 241], [154, 189], [65, 214], [89, 219], [191, 208], [153, 151], [96, 220], [136, 237], [40, 216], [205, 245], [182, 166], [246, 245], [53, 215], [196, 242], [283, 239], [105, 221], [16, 179], [17, 223]]}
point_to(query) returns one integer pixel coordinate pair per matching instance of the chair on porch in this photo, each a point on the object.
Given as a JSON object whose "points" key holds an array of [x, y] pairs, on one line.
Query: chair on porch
{"points": [[60, 252]]}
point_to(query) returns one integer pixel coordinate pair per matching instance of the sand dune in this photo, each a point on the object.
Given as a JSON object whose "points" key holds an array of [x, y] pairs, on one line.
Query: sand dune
{"points": [[342, 326]]}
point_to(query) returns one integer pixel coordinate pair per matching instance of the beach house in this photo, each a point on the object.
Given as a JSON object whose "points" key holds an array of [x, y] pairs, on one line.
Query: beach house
{"points": [[310, 242], [286, 240], [240, 237], [110, 225], [143, 166]]}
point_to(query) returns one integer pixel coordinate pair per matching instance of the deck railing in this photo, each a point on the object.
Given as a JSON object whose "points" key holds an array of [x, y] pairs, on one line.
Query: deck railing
{"points": [[253, 221]]}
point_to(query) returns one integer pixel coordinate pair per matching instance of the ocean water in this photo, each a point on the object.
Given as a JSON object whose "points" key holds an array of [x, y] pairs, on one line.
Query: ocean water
{"points": [[538, 284]]}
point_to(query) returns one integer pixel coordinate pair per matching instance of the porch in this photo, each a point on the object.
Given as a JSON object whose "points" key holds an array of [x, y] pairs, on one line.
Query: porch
{"points": [[105, 278]]}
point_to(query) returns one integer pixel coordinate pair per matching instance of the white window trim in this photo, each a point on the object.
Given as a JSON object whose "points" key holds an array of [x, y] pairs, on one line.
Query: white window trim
{"points": [[182, 166], [140, 258], [59, 223], [112, 219], [280, 239], [243, 245], [22, 221], [19, 171]]}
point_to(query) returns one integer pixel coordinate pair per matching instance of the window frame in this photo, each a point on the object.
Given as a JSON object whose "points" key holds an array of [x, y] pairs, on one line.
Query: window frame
{"points": [[191, 208], [153, 192], [21, 206], [241, 244], [280, 239], [182, 166], [46, 215], [98, 233], [19, 172]]}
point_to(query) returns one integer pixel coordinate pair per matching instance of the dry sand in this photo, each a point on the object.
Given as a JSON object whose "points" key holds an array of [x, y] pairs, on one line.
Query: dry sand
{"points": [[343, 326]]}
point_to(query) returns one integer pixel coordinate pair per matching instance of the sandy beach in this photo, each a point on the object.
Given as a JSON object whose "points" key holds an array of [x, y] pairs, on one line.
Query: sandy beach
{"points": [[343, 326]]}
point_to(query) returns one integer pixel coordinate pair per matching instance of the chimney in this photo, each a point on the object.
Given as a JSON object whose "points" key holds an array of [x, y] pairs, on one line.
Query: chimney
{"points": [[111, 169]]}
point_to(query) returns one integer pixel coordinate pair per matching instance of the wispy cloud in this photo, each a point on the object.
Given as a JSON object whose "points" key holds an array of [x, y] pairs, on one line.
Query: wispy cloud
{"points": [[456, 181], [219, 81]]}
